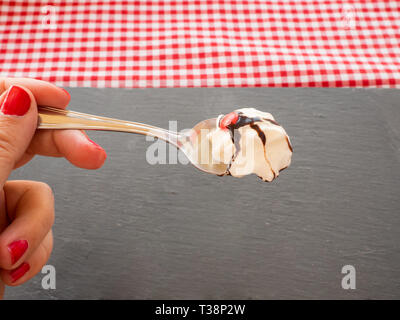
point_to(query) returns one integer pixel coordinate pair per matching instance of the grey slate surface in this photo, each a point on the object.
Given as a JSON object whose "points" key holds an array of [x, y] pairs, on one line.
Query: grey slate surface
{"points": [[132, 230]]}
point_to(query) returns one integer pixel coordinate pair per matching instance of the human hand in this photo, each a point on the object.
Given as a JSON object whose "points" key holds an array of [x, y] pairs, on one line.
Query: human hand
{"points": [[27, 207]]}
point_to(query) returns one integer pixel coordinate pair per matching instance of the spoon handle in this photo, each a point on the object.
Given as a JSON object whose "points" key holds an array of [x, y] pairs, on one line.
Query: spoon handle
{"points": [[54, 118]]}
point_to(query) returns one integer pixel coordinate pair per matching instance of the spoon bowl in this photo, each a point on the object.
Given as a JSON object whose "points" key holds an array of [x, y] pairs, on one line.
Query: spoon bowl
{"points": [[198, 148]]}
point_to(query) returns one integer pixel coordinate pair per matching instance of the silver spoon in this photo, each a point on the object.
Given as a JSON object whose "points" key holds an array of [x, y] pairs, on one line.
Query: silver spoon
{"points": [[193, 143]]}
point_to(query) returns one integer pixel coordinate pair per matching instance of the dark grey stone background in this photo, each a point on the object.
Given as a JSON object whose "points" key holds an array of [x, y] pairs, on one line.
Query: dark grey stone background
{"points": [[132, 230]]}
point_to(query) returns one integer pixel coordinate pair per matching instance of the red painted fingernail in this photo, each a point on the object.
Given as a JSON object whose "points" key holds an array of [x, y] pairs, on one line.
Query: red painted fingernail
{"points": [[16, 102], [20, 271], [66, 92], [228, 119], [17, 249], [95, 144]]}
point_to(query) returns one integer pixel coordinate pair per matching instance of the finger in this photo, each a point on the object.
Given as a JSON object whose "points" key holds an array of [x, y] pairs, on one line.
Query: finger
{"points": [[30, 208], [3, 214], [31, 266], [44, 92], [18, 121], [3, 225], [74, 145], [26, 157]]}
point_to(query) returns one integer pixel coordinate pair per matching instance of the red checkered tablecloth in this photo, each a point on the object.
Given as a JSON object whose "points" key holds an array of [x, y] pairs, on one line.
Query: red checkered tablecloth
{"points": [[208, 43]]}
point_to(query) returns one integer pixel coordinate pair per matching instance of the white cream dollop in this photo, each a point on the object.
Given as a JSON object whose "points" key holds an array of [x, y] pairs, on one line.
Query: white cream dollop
{"points": [[256, 143]]}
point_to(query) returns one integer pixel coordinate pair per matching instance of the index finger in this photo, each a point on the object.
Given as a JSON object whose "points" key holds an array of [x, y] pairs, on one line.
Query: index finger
{"points": [[44, 92]]}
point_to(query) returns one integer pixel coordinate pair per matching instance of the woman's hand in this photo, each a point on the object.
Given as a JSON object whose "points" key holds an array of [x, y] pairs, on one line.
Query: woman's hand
{"points": [[26, 207]]}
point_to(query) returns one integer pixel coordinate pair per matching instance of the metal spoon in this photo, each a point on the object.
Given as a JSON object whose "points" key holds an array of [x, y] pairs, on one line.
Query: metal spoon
{"points": [[193, 143]]}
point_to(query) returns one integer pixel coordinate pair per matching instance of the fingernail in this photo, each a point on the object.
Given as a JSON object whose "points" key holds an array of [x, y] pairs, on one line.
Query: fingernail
{"points": [[66, 92], [16, 102], [94, 143], [97, 146], [17, 249], [20, 271]]}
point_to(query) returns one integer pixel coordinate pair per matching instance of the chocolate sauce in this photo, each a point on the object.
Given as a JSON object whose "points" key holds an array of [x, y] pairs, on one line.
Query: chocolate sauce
{"points": [[283, 169], [264, 141], [289, 144], [241, 122], [272, 121], [244, 120], [235, 141], [259, 132]]}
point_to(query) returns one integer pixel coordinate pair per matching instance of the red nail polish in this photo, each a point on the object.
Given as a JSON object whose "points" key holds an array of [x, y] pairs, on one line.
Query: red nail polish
{"points": [[97, 146], [17, 249], [94, 143], [20, 271], [66, 92], [16, 102]]}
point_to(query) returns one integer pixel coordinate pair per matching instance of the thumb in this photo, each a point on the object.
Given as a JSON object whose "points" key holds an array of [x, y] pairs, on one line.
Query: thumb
{"points": [[18, 122]]}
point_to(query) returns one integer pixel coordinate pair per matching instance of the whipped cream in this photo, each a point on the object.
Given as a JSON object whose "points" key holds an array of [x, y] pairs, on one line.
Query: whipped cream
{"points": [[250, 141]]}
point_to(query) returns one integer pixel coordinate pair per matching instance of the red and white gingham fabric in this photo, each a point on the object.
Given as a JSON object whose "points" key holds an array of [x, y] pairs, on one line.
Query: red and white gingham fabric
{"points": [[205, 43]]}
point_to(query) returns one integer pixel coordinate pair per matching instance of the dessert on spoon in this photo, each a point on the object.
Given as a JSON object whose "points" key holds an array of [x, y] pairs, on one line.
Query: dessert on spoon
{"points": [[251, 141], [242, 142]]}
